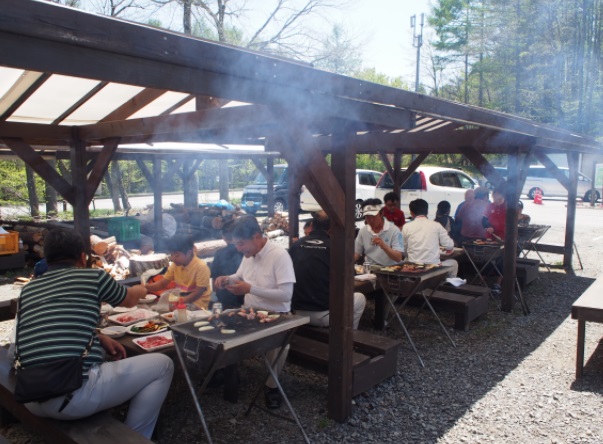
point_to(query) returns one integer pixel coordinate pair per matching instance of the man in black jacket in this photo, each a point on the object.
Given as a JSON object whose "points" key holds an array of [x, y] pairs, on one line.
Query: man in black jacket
{"points": [[311, 262]]}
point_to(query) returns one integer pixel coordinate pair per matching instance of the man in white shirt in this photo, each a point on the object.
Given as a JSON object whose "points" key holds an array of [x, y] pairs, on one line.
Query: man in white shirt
{"points": [[266, 278], [379, 240], [423, 238]]}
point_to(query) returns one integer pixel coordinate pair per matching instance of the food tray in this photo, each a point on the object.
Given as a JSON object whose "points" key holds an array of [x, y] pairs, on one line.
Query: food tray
{"points": [[156, 338], [132, 317]]}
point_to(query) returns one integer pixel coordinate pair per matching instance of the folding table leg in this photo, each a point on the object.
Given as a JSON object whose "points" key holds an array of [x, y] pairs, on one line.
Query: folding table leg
{"points": [[389, 299], [191, 387]]}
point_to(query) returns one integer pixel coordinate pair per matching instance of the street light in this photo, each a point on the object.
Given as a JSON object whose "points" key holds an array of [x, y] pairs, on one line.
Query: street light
{"points": [[417, 41]]}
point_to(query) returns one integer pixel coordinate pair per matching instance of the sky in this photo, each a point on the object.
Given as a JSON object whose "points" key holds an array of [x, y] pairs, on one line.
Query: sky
{"points": [[385, 27], [380, 27]]}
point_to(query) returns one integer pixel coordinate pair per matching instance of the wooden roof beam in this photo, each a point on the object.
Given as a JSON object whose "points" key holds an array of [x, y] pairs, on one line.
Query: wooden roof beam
{"points": [[22, 90], [42, 168], [136, 103], [52, 134], [144, 44]]}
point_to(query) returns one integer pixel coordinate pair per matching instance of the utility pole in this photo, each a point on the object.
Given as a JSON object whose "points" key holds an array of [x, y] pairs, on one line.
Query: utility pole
{"points": [[417, 42]]}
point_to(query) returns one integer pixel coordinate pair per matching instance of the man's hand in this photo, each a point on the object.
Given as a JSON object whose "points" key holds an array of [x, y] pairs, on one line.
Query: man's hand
{"points": [[115, 351], [239, 288]]}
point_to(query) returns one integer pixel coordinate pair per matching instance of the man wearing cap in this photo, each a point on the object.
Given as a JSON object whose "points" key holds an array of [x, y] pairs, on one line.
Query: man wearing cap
{"points": [[379, 240]]}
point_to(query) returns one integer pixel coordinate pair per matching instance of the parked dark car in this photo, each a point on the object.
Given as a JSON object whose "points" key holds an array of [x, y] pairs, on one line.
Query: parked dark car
{"points": [[255, 195]]}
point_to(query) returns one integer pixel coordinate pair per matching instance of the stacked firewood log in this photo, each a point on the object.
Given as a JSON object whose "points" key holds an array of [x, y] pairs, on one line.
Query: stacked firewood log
{"points": [[277, 225], [110, 256], [33, 239]]}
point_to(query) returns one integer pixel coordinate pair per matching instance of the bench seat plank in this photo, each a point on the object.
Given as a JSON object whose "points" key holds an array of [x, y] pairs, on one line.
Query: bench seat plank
{"points": [[96, 429]]}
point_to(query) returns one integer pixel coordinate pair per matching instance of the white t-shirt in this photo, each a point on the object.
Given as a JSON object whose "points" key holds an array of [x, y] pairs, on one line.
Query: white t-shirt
{"points": [[268, 269], [422, 240]]}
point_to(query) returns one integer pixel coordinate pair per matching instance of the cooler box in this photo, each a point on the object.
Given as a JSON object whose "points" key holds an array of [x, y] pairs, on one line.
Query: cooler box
{"points": [[9, 243], [124, 228]]}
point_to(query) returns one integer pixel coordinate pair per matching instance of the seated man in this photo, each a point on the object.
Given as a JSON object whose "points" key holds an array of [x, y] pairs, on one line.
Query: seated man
{"points": [[226, 262], [70, 296], [311, 257], [379, 240], [471, 216], [266, 278], [423, 238], [190, 274], [391, 211]]}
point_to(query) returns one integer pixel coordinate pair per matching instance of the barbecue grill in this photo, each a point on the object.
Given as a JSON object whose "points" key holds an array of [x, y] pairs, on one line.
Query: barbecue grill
{"points": [[207, 351]]}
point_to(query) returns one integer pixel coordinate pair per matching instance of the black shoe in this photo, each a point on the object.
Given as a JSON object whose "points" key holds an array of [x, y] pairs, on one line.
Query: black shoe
{"points": [[273, 398]]}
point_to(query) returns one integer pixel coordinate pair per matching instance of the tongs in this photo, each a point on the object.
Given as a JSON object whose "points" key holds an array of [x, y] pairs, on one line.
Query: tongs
{"points": [[498, 238]]}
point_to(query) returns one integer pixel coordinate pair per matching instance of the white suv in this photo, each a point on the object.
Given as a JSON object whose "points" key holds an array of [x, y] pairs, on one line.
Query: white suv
{"points": [[365, 189], [432, 184]]}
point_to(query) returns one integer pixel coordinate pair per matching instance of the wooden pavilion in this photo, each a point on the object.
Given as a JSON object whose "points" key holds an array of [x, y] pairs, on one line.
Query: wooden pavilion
{"points": [[288, 109]]}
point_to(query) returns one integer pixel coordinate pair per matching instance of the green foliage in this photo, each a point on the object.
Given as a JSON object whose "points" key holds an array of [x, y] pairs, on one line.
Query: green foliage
{"points": [[371, 75]]}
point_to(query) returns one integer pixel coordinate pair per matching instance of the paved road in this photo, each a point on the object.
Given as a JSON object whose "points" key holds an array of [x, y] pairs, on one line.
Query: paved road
{"points": [[137, 202]]}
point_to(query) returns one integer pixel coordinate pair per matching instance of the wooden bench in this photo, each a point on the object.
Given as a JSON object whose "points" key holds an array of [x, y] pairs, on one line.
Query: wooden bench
{"points": [[467, 302], [374, 358], [527, 271], [466, 308], [588, 307], [99, 428]]}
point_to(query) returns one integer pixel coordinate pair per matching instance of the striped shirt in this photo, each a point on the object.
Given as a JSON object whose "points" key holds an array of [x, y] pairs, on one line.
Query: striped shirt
{"points": [[59, 312]]}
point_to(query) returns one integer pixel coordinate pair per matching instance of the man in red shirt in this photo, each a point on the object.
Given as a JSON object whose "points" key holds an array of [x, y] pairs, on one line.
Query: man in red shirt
{"points": [[391, 211]]}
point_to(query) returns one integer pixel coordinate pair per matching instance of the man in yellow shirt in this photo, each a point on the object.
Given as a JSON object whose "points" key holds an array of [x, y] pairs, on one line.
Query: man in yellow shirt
{"points": [[190, 274]]}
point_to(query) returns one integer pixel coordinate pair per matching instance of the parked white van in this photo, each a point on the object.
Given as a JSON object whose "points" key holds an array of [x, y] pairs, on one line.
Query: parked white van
{"points": [[540, 177], [432, 184]]}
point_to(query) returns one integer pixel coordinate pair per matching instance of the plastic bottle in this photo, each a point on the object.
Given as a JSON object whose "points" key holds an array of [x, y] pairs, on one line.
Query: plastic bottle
{"points": [[181, 313]]}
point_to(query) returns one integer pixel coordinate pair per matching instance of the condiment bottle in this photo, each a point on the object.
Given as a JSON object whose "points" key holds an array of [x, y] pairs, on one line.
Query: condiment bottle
{"points": [[181, 313]]}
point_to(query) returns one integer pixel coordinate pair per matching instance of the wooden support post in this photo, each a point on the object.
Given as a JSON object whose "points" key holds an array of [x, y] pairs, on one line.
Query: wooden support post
{"points": [[293, 199], [510, 257], [270, 186], [342, 280], [397, 168], [157, 204], [81, 214], [570, 222]]}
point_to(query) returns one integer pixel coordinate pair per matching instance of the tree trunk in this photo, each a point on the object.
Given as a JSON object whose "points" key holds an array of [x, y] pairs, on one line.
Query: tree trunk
{"points": [[224, 179], [50, 195], [34, 202], [116, 175], [112, 192]]}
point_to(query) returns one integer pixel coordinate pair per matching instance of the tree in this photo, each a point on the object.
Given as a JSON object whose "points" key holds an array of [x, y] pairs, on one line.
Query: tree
{"points": [[338, 53], [278, 27]]}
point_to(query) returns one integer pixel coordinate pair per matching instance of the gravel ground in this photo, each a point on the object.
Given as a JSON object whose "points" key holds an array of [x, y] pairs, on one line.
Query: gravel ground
{"points": [[510, 379]]}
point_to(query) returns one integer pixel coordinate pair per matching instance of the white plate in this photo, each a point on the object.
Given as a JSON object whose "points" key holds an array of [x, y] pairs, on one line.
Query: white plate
{"points": [[141, 324], [148, 299], [123, 309], [167, 335], [169, 317], [115, 331], [132, 317]]}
